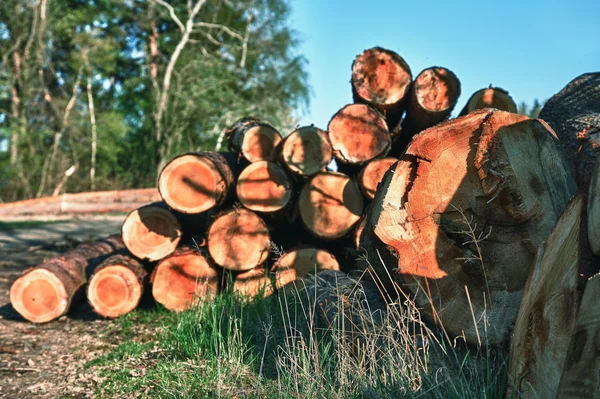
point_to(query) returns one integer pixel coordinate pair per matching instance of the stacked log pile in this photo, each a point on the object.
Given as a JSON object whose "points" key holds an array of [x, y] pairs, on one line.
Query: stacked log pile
{"points": [[483, 220]]}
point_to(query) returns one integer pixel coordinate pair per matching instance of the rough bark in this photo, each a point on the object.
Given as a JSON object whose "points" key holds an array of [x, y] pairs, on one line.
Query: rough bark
{"points": [[196, 182], [547, 314], [253, 282], [459, 220], [306, 151], [432, 98], [593, 211], [492, 97], [239, 240], [254, 140], [330, 205], [301, 262], [581, 373], [371, 175], [47, 291], [265, 187], [116, 286], [184, 279], [151, 232], [381, 78], [358, 134]]}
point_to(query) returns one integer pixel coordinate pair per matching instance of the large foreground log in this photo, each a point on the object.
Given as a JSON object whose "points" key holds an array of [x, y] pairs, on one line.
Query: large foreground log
{"points": [[46, 292], [184, 279], [116, 286], [239, 240], [196, 182], [381, 78], [254, 140], [358, 133], [306, 151], [546, 318], [301, 262], [459, 219], [330, 204], [264, 187], [492, 97], [151, 232]]}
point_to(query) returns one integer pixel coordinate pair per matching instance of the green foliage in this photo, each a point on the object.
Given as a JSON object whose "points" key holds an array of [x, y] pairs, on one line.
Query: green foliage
{"points": [[533, 111]]}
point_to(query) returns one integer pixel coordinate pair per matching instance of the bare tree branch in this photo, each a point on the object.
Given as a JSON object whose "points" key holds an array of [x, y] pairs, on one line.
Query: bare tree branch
{"points": [[93, 123], [172, 13], [220, 27]]}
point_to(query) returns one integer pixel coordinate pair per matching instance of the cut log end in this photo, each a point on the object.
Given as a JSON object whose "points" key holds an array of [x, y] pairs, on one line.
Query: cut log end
{"points": [[39, 296], [493, 97], [436, 89], [192, 183], [358, 134], [260, 143], [252, 283], [264, 187], [370, 176], [183, 280], [114, 291], [239, 240], [330, 204], [307, 151], [300, 263], [151, 232], [380, 77]]}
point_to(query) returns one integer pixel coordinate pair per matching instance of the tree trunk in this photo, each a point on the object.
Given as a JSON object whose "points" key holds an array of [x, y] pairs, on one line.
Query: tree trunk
{"points": [[372, 174], [151, 232], [546, 318], [593, 211], [265, 187], [46, 292], [581, 377], [196, 182], [301, 262], [330, 205], [183, 279], [254, 140], [306, 151], [116, 286], [492, 97], [239, 240], [358, 133], [253, 282], [432, 98], [459, 220], [381, 78]]}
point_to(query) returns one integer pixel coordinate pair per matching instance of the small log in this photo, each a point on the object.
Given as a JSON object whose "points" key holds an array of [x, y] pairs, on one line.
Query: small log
{"points": [[253, 282], [254, 140], [196, 182], [546, 318], [184, 279], [381, 78], [300, 263], [116, 286], [306, 151], [433, 96], [593, 211], [358, 133], [492, 97], [46, 292], [151, 232], [581, 373], [458, 220], [239, 240], [330, 204], [264, 187], [371, 175]]}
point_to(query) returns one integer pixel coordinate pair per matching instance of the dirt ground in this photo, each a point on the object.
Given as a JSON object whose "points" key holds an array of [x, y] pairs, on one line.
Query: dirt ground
{"points": [[45, 361]]}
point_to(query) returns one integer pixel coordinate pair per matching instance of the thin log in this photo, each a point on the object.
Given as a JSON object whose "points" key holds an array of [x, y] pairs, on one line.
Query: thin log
{"points": [[47, 291], [151, 232], [300, 263], [253, 282], [306, 151], [492, 97], [116, 286], [458, 221], [196, 182], [330, 205], [239, 240], [184, 279], [264, 187], [254, 140], [371, 175], [547, 314]]}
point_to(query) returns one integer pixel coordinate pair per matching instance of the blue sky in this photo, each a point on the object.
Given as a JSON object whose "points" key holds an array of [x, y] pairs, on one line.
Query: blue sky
{"points": [[530, 48]]}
